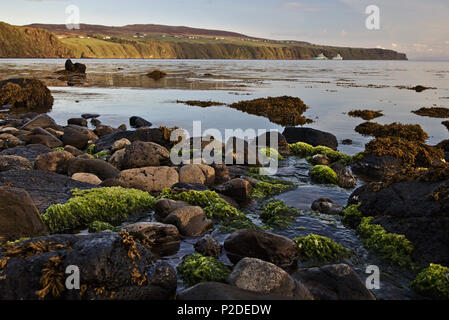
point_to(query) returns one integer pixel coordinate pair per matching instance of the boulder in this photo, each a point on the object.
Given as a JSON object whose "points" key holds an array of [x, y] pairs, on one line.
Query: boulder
{"points": [[150, 179], [264, 140], [197, 173], [208, 246], [263, 277], [326, 206], [30, 152], [100, 168], [26, 95], [41, 121], [221, 173], [74, 151], [334, 282], [75, 67], [320, 159], [87, 178], [41, 136], [90, 116], [113, 267], [146, 135], [266, 246], [75, 138], [241, 152], [164, 207], [138, 122], [57, 161], [19, 217], [161, 239], [238, 189], [116, 159], [45, 188], [8, 141], [310, 136], [144, 154], [120, 144], [345, 178], [190, 221], [14, 163], [102, 130], [78, 122], [376, 168]]}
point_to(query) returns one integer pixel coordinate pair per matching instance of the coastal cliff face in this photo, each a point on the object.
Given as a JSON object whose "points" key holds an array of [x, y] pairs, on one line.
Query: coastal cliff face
{"points": [[27, 42]]}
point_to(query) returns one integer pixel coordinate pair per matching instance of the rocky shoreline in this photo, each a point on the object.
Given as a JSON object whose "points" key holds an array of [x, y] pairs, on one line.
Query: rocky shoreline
{"points": [[110, 201]]}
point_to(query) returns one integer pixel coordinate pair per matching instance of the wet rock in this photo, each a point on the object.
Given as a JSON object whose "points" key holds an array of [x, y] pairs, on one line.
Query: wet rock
{"points": [[90, 116], [41, 121], [26, 95], [30, 152], [14, 163], [345, 178], [74, 151], [100, 168], [156, 75], [92, 136], [347, 142], [261, 245], [320, 159], [57, 161], [19, 217], [75, 138], [264, 140], [102, 130], [263, 277], [41, 136], [311, 136], [161, 239], [8, 141], [45, 188], [150, 179], [224, 292], [138, 122], [144, 154], [416, 209], [334, 282], [164, 207], [376, 167], [208, 246], [117, 158], [145, 135], [241, 152], [197, 173], [444, 145], [78, 122], [191, 221], [238, 189], [75, 67], [326, 206], [105, 260], [221, 173], [87, 178], [186, 187], [120, 144]]}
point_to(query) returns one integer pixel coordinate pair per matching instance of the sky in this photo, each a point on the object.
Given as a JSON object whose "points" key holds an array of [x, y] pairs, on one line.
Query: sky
{"points": [[416, 27]]}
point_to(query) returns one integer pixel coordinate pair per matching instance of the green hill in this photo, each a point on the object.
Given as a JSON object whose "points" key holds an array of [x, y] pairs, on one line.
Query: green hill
{"points": [[123, 42]]}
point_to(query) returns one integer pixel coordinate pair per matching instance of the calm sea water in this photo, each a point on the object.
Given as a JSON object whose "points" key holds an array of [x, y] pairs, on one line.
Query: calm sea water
{"points": [[119, 89]]}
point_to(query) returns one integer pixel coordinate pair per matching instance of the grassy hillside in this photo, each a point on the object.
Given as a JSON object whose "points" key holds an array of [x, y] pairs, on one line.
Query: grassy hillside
{"points": [[23, 42], [29, 42]]}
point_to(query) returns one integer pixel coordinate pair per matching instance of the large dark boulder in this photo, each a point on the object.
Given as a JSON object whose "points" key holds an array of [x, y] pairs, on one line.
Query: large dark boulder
{"points": [[75, 138], [26, 95], [416, 209], [45, 188], [311, 136], [98, 167], [138, 122], [75, 67], [145, 135], [30, 152], [376, 168], [266, 246], [334, 282], [19, 217], [112, 267]]}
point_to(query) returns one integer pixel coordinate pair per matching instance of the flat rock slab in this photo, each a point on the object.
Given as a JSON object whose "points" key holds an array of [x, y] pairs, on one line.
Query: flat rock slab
{"points": [[45, 188], [30, 152]]}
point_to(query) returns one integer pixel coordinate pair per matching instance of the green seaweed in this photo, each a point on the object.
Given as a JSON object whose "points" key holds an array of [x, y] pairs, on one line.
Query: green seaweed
{"points": [[433, 282], [58, 149], [307, 151], [90, 149], [323, 175], [318, 248], [271, 154], [393, 247], [352, 217], [267, 186], [278, 215], [197, 268], [103, 204], [214, 207], [102, 155], [99, 226]]}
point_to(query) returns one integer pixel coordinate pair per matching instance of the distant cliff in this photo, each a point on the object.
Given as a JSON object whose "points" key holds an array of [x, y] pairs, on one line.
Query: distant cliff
{"points": [[28, 42]]}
